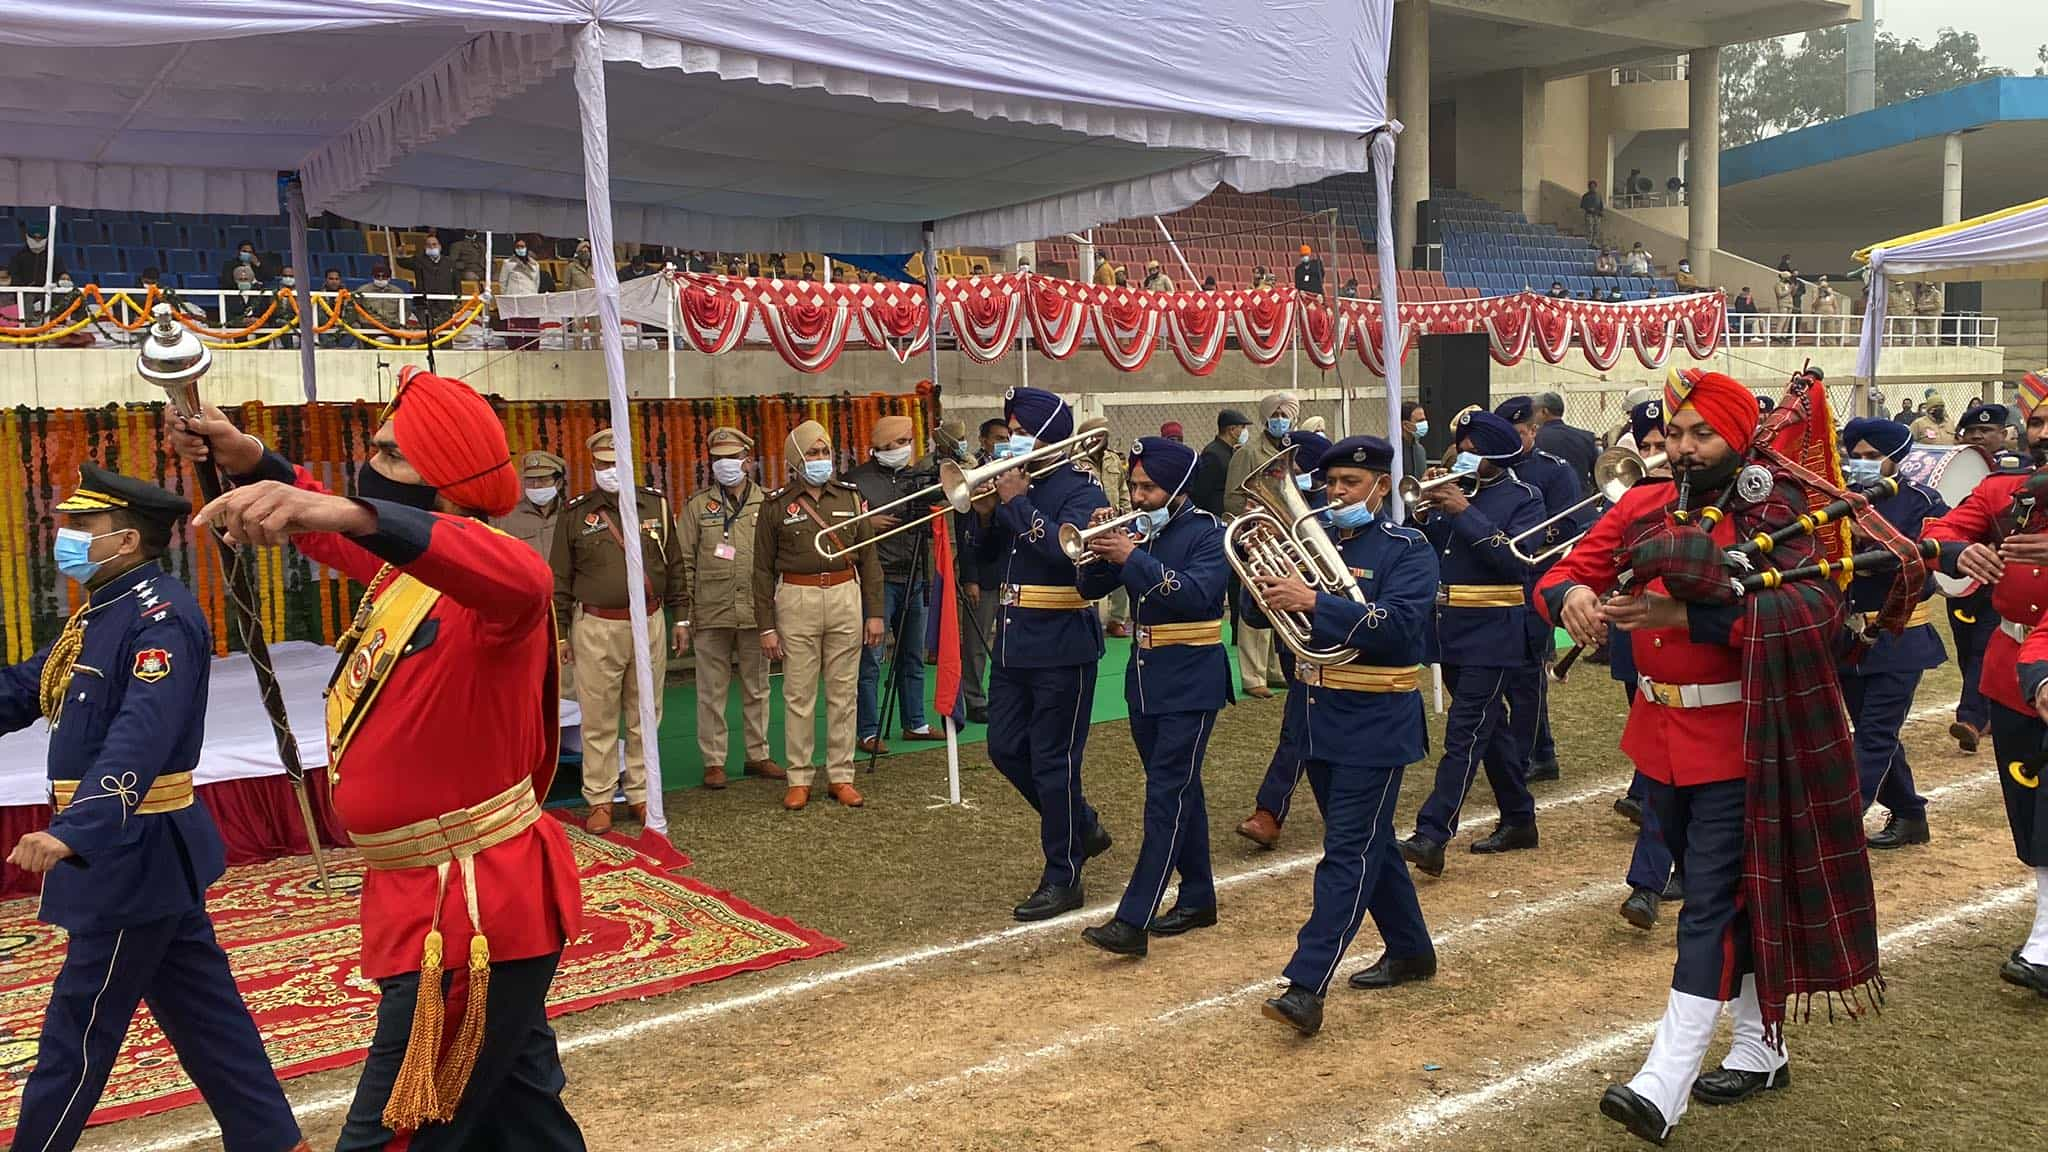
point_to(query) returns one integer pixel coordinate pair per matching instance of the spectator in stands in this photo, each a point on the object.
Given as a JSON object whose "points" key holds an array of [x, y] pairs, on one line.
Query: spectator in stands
{"points": [[1606, 263], [1785, 262], [980, 269], [1595, 210], [1687, 282], [1308, 272], [380, 296], [332, 284], [1740, 310], [734, 267], [1585, 296], [1205, 490], [1171, 430], [1123, 278], [810, 271], [1350, 289], [1927, 300], [579, 275], [1209, 283], [1827, 305], [248, 302], [433, 274], [1558, 291], [1799, 286], [31, 266], [1615, 295], [697, 263], [1261, 278], [1105, 272], [753, 269], [1638, 259], [640, 266], [1781, 303], [519, 275], [1023, 268], [1156, 279], [468, 257], [1573, 445], [245, 257], [10, 311], [1414, 426]]}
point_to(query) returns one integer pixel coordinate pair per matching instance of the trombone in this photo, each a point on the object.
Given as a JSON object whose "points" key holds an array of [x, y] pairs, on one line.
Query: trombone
{"points": [[959, 488], [1615, 471], [1074, 541]]}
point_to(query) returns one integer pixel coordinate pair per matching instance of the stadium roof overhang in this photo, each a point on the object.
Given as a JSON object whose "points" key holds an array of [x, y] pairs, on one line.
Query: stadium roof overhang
{"points": [[1569, 37]]}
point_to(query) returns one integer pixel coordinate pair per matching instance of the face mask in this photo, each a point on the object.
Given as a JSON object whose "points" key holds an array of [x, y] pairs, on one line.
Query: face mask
{"points": [[1350, 516], [433, 253], [729, 471], [1017, 445], [817, 471], [248, 257], [962, 451], [542, 497], [244, 283], [1278, 426], [374, 485], [892, 457], [380, 282], [1153, 521], [1305, 481], [1243, 434], [1858, 471], [36, 243], [64, 285], [287, 281], [1466, 462], [519, 251], [1421, 429], [73, 552], [607, 479]]}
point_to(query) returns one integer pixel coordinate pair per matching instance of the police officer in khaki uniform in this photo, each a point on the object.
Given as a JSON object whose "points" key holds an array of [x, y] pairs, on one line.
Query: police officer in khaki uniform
{"points": [[589, 559], [814, 613], [715, 538], [533, 521]]}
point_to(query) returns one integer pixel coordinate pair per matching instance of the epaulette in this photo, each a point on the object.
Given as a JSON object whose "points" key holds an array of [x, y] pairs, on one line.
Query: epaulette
{"points": [[1531, 489], [849, 485], [1552, 457], [654, 492], [586, 498], [1401, 531], [778, 494]]}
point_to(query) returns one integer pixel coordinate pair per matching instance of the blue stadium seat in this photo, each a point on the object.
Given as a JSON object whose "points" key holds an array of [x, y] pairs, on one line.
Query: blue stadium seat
{"points": [[165, 234], [346, 240], [126, 234], [181, 261], [275, 240], [137, 258], [316, 242], [115, 279]]}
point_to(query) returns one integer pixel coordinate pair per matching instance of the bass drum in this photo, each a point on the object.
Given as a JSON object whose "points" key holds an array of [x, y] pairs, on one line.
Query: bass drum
{"points": [[1953, 470]]}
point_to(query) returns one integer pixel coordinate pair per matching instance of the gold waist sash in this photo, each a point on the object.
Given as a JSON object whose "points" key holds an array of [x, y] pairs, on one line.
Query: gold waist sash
{"points": [[1169, 635], [172, 791], [1482, 596], [1360, 677], [1053, 596]]}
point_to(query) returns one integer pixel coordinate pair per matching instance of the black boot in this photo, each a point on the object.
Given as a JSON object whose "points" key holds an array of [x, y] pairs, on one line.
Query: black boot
{"points": [[1049, 901], [1733, 1085], [1674, 889], [1390, 971], [1096, 842], [1621, 1105], [1900, 831], [1297, 1007], [1640, 909], [1118, 937], [1183, 919], [1506, 839], [1427, 855], [2024, 974], [1631, 808]]}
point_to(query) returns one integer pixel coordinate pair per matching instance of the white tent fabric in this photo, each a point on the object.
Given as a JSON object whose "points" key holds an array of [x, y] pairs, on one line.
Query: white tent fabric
{"points": [[2003, 245]]}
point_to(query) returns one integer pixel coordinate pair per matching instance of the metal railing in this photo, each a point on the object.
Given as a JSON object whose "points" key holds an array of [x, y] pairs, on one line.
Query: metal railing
{"points": [[1806, 329], [1648, 73], [1660, 199], [222, 307]]}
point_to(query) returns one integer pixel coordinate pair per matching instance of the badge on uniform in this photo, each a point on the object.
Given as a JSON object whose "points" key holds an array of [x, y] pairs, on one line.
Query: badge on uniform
{"points": [[593, 522], [724, 551], [152, 665]]}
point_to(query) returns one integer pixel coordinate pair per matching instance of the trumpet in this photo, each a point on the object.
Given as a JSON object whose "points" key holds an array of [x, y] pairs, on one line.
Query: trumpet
{"points": [[1414, 492], [1615, 471], [1074, 541], [1278, 536], [958, 488]]}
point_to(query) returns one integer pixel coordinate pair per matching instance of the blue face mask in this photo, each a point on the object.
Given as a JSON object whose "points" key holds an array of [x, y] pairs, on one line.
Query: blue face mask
{"points": [[1350, 516], [1421, 429], [1153, 521], [1466, 462], [817, 471], [1017, 445], [73, 553], [1859, 472], [1278, 426], [1305, 481]]}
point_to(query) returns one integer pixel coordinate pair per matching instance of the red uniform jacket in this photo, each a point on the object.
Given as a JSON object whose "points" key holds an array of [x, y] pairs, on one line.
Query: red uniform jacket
{"points": [[465, 715], [1681, 746], [2019, 596]]}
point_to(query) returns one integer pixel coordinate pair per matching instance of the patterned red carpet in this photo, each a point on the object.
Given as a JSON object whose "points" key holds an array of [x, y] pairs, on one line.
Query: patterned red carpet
{"points": [[645, 931]]}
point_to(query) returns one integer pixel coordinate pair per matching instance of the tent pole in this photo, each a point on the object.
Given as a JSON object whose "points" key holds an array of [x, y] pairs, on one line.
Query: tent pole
{"points": [[49, 257], [931, 301], [1391, 335], [669, 290], [302, 291], [590, 100], [1192, 280]]}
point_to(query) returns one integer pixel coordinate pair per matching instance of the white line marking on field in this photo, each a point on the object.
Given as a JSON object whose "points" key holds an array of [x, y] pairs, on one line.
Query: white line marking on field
{"points": [[333, 1101], [1422, 1120]]}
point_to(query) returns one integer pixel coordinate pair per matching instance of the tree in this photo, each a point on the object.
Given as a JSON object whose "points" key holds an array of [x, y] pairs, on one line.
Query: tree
{"points": [[1766, 90]]}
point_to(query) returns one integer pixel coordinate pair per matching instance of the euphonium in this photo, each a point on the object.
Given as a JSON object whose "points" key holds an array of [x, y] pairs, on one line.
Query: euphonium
{"points": [[1279, 535]]}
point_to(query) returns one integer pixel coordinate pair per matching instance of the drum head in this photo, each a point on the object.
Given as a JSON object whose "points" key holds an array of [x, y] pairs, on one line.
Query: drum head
{"points": [[1954, 471]]}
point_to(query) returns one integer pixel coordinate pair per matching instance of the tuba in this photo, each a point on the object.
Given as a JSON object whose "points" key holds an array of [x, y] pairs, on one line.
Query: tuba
{"points": [[1279, 535]]}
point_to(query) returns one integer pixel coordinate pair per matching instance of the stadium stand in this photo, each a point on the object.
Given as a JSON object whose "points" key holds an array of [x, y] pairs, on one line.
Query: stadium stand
{"points": [[1498, 252]]}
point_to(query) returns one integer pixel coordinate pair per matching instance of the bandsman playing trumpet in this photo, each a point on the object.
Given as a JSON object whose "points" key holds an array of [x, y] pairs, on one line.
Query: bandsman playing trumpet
{"points": [[1482, 639], [1178, 678], [1047, 645], [1361, 723], [1529, 711]]}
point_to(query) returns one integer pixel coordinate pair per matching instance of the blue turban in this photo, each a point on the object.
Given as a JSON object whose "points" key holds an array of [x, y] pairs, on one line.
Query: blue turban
{"points": [[1645, 418], [1308, 449], [1362, 452], [1168, 463], [1045, 416], [1887, 436], [1515, 409], [1492, 437], [1983, 416]]}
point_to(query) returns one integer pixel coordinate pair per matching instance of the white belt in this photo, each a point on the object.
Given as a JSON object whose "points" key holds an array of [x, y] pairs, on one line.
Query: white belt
{"points": [[2018, 632], [1690, 695]]}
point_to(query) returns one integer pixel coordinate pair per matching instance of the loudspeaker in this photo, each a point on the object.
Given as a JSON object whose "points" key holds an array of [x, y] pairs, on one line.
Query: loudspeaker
{"points": [[1429, 226], [1456, 371]]}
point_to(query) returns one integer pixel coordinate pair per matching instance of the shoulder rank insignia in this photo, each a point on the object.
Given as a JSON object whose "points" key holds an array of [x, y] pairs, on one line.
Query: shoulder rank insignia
{"points": [[152, 665]]}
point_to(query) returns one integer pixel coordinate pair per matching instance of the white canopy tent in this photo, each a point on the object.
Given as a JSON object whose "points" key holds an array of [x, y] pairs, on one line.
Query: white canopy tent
{"points": [[721, 124], [2011, 244]]}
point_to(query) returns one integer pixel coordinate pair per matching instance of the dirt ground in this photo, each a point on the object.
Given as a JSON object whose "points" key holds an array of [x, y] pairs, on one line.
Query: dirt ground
{"points": [[945, 1026]]}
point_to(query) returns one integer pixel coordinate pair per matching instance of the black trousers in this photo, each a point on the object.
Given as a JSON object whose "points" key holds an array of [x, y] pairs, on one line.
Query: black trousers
{"points": [[514, 1099], [2016, 738]]}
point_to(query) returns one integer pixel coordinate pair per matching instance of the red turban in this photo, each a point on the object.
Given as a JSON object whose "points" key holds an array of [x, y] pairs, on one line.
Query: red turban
{"points": [[451, 435], [1725, 404]]}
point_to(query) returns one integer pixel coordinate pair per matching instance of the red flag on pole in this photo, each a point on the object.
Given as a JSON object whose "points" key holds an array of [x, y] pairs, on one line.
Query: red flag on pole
{"points": [[946, 700]]}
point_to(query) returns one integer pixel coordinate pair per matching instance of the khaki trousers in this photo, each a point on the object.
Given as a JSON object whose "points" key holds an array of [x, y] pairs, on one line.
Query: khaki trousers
{"points": [[606, 686], [1255, 662], [821, 634], [716, 648]]}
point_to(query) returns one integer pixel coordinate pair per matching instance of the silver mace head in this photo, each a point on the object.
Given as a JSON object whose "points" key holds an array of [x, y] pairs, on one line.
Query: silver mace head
{"points": [[174, 359]]}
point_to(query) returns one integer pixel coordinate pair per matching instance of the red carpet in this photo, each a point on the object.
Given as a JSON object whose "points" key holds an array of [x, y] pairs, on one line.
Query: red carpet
{"points": [[645, 932]]}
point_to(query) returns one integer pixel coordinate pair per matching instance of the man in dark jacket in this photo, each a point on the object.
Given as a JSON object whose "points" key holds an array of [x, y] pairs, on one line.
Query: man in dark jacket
{"points": [[889, 474], [1206, 489], [30, 266], [433, 274], [1308, 273], [1575, 446]]}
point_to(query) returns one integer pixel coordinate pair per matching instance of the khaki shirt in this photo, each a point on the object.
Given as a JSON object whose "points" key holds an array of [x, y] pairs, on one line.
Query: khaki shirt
{"points": [[718, 590], [1116, 482], [1257, 450], [785, 542], [535, 527], [590, 561], [1928, 430]]}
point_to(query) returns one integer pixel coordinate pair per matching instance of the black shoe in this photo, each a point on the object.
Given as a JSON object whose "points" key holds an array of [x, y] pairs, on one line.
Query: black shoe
{"points": [[1118, 937], [977, 715], [1733, 1085], [1181, 919], [1640, 909], [1541, 771], [1427, 855], [1639, 1116], [1096, 842], [2024, 974], [1297, 1007], [1674, 890], [1900, 831], [1965, 736], [1631, 808], [1506, 838], [1392, 971], [1049, 901]]}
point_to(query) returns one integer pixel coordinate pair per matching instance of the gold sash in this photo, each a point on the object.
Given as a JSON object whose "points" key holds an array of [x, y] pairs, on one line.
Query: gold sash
{"points": [[368, 651]]}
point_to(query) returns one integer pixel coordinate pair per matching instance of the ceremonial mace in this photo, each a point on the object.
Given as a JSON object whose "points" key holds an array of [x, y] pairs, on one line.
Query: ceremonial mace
{"points": [[174, 359]]}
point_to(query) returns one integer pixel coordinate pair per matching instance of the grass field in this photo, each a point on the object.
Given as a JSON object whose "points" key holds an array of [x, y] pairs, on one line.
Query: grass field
{"points": [[946, 1026]]}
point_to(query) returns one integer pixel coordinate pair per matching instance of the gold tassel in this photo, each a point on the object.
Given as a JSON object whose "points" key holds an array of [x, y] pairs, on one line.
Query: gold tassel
{"points": [[469, 1037], [413, 1100]]}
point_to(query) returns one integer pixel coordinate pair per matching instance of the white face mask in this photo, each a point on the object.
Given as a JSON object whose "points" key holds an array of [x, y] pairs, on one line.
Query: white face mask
{"points": [[433, 253], [607, 479], [729, 471], [36, 243], [542, 497], [64, 284], [287, 281], [1243, 434], [893, 457]]}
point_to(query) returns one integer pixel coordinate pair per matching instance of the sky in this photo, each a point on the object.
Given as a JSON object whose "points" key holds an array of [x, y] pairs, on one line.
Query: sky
{"points": [[2008, 30]]}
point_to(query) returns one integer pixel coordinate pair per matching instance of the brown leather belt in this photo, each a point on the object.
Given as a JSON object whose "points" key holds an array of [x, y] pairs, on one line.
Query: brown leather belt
{"points": [[617, 613], [819, 579]]}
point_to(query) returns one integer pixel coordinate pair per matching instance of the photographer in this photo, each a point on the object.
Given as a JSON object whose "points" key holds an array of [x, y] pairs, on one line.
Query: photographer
{"points": [[891, 473]]}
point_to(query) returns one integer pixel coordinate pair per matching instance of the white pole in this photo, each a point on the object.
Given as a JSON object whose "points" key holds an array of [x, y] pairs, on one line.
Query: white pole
{"points": [[490, 268], [674, 311], [1193, 281], [1086, 273], [952, 763], [931, 299], [302, 288], [1390, 314], [49, 256], [590, 100]]}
